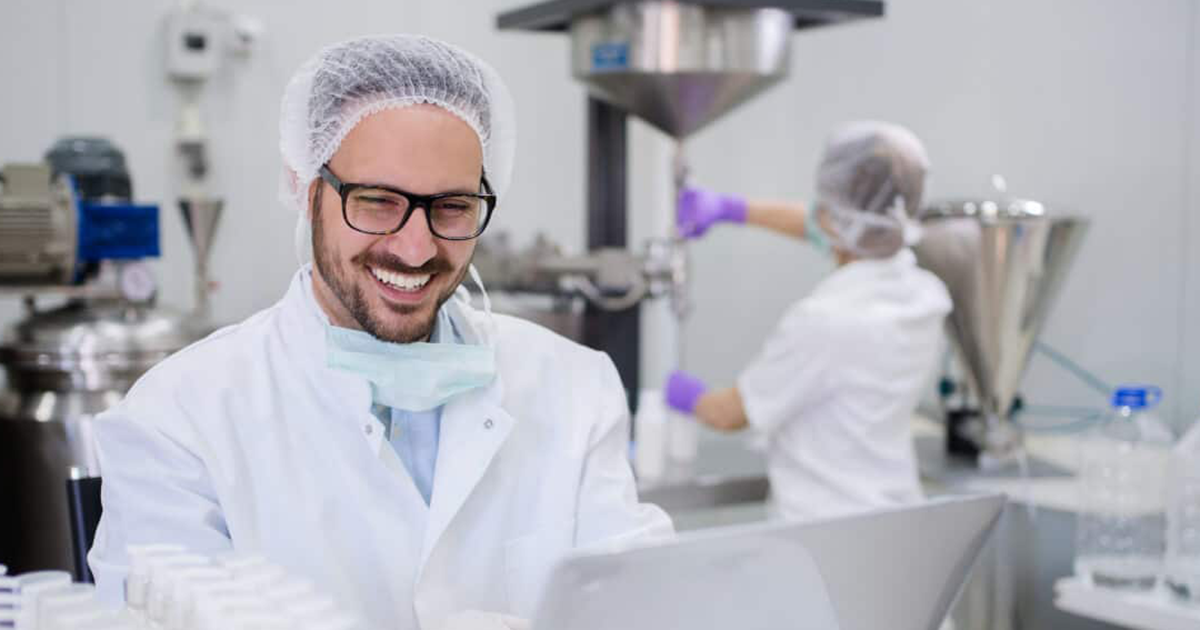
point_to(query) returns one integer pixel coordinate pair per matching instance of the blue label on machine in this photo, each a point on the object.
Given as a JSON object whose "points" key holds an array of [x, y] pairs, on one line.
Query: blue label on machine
{"points": [[611, 56], [117, 231], [1136, 396]]}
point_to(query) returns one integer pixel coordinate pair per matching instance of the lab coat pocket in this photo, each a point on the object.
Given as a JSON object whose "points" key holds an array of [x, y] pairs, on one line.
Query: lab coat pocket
{"points": [[528, 560]]}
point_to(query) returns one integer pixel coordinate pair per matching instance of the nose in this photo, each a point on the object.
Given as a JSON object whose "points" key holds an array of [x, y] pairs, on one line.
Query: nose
{"points": [[414, 243]]}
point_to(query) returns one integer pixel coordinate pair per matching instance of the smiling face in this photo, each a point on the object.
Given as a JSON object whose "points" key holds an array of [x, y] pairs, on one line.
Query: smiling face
{"points": [[392, 286]]}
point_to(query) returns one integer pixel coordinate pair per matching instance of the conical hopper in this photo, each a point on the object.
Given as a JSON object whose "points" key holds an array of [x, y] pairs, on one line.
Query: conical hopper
{"points": [[680, 66], [201, 216], [1004, 264]]}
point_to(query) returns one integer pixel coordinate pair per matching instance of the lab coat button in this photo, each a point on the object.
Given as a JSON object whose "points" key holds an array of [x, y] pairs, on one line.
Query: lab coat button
{"points": [[487, 424], [369, 429]]}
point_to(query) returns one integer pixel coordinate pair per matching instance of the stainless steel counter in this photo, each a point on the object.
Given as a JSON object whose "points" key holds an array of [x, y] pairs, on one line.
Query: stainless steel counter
{"points": [[727, 471], [730, 470]]}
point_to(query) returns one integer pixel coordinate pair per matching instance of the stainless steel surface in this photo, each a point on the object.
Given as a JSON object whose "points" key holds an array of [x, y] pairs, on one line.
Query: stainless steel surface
{"points": [[611, 278], [556, 15], [43, 434], [562, 314], [38, 232], [91, 345], [504, 267], [200, 217], [727, 470], [710, 492], [64, 366], [939, 467], [1003, 262], [680, 66]]}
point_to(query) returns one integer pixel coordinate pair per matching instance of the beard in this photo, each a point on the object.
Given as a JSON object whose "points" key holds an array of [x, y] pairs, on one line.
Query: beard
{"points": [[396, 323]]}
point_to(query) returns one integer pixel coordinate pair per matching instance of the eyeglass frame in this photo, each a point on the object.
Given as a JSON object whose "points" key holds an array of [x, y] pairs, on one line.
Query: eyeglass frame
{"points": [[343, 189]]}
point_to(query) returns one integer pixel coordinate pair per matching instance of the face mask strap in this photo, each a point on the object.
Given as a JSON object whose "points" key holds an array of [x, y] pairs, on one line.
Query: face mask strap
{"points": [[487, 302], [849, 225], [465, 296], [910, 228]]}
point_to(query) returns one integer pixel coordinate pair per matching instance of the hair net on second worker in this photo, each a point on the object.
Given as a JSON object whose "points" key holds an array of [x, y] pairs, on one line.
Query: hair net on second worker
{"points": [[344, 83], [869, 187]]}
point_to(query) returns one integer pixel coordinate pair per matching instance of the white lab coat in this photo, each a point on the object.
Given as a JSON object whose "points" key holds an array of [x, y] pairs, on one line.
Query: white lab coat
{"points": [[834, 388], [246, 440]]}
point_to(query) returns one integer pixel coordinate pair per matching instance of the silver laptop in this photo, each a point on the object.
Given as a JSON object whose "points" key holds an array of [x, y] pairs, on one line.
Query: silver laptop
{"points": [[896, 569]]}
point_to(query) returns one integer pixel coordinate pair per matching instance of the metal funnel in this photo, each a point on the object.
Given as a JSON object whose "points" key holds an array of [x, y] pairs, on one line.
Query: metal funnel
{"points": [[1003, 263], [680, 66], [201, 216]]}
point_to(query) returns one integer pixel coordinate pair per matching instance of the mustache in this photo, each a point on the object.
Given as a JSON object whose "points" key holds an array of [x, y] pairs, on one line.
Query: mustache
{"points": [[393, 263]]}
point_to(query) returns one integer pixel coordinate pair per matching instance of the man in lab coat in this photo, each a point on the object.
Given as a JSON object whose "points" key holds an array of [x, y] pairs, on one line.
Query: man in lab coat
{"points": [[412, 455], [835, 385]]}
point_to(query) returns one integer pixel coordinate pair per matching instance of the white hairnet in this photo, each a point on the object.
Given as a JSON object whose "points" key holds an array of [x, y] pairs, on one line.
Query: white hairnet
{"points": [[869, 186], [344, 83]]}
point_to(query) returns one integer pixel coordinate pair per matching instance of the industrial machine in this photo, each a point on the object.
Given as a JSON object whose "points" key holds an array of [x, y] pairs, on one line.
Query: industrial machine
{"points": [[678, 66], [681, 65], [74, 247], [1004, 261]]}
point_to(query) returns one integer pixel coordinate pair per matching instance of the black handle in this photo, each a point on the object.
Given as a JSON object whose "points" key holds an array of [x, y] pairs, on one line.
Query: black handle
{"points": [[83, 499]]}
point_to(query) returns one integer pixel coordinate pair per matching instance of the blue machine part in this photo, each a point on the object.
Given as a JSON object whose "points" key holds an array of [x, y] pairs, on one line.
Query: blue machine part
{"points": [[1136, 397], [610, 56], [117, 231]]}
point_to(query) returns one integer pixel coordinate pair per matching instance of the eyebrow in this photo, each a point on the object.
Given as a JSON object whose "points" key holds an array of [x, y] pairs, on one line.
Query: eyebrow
{"points": [[448, 191]]}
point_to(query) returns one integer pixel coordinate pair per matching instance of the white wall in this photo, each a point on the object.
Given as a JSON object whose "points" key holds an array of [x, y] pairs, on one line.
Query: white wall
{"points": [[1189, 346], [82, 67], [1086, 104]]}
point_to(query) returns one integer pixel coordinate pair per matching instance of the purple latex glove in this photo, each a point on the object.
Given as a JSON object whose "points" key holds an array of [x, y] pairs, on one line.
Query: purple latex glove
{"points": [[699, 209], [684, 391]]}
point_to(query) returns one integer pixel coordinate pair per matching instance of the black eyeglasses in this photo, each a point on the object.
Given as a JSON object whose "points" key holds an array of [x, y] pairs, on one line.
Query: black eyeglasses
{"points": [[378, 209]]}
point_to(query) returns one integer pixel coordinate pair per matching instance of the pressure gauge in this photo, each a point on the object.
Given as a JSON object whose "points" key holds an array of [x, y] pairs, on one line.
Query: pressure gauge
{"points": [[137, 282]]}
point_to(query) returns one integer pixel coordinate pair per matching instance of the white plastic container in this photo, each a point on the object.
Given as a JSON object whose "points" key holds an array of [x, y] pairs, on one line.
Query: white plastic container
{"points": [[141, 557], [1121, 529], [650, 436], [73, 617], [165, 599], [215, 613], [1182, 568], [238, 563], [65, 597], [683, 437], [31, 586]]}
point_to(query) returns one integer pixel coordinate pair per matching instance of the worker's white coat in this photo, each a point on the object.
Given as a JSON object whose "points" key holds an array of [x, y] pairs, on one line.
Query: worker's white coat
{"points": [[247, 441], [835, 386]]}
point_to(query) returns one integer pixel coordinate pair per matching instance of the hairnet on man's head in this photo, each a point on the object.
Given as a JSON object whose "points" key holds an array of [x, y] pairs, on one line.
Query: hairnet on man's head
{"points": [[344, 83], [870, 183]]}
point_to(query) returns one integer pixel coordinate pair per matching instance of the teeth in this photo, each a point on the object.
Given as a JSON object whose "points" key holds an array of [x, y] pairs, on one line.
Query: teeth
{"points": [[402, 281]]}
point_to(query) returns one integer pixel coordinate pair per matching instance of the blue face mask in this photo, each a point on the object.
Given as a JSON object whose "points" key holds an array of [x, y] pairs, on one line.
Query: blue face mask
{"points": [[413, 376], [815, 234]]}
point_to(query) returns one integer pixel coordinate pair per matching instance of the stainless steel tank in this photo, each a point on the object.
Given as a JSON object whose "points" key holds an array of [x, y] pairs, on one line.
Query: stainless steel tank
{"points": [[64, 366], [680, 66], [1004, 262]]}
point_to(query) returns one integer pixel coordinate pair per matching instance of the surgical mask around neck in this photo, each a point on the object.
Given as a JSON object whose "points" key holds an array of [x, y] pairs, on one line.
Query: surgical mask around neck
{"points": [[850, 229], [417, 376], [816, 236]]}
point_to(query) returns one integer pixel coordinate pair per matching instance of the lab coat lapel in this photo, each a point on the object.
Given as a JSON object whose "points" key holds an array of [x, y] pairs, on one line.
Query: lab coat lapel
{"points": [[474, 428]]}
